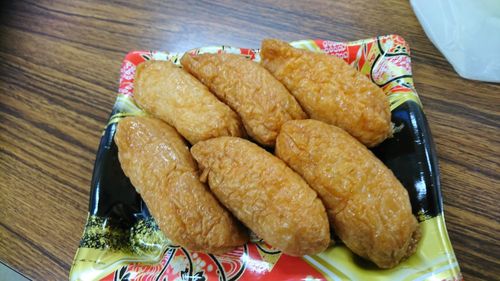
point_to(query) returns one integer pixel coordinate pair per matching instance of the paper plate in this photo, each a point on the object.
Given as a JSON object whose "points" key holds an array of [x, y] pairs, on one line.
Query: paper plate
{"points": [[121, 241]]}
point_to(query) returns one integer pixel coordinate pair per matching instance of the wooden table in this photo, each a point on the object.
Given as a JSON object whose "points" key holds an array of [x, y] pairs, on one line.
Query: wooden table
{"points": [[59, 69]]}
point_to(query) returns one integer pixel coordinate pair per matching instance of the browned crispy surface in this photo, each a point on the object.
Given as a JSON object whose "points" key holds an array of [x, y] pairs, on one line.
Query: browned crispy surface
{"points": [[265, 194], [157, 161], [367, 206], [263, 103], [173, 95], [330, 90]]}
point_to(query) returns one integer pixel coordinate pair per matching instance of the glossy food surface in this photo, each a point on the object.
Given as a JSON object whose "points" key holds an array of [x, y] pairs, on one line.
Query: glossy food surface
{"points": [[173, 95], [157, 161], [263, 103], [330, 90], [367, 206], [265, 194]]}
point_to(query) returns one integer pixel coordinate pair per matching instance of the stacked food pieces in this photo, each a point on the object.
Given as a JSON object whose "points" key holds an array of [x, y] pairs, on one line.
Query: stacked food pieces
{"points": [[322, 178]]}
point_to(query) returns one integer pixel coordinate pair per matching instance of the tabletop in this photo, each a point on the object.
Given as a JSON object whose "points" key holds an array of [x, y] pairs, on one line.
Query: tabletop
{"points": [[59, 69]]}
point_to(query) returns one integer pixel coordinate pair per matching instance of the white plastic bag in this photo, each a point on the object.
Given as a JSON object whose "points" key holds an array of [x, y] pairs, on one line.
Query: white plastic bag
{"points": [[466, 32]]}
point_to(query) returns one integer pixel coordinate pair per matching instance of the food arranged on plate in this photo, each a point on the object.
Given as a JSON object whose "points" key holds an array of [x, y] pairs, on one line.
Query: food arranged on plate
{"points": [[263, 103], [173, 95], [367, 206], [330, 90], [323, 179], [157, 161]]}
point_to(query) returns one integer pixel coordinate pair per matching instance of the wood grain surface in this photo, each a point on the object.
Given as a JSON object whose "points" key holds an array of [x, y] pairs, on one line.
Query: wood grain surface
{"points": [[59, 69]]}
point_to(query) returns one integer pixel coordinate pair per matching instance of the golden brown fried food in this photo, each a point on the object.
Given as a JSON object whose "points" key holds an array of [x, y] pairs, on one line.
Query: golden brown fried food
{"points": [[367, 206], [157, 161], [173, 95], [330, 90], [263, 103], [265, 194]]}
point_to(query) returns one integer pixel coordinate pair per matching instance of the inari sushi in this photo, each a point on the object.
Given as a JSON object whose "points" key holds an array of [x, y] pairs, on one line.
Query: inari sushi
{"points": [[330, 90], [263, 103], [157, 161], [173, 95], [367, 206], [265, 194]]}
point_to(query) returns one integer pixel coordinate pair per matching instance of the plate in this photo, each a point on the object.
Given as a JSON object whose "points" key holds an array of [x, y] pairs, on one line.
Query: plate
{"points": [[121, 241]]}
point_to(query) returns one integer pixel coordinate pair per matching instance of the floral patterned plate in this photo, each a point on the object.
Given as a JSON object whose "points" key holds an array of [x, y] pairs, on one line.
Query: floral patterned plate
{"points": [[121, 241]]}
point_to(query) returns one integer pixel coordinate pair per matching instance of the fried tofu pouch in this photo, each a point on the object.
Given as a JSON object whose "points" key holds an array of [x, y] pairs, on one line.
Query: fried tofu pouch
{"points": [[263, 103], [330, 90], [173, 95], [367, 206], [265, 194], [157, 161]]}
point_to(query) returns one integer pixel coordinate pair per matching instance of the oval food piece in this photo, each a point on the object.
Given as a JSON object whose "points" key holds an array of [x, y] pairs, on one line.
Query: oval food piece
{"points": [[264, 194], [330, 90], [173, 95], [262, 102], [157, 161], [367, 206]]}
